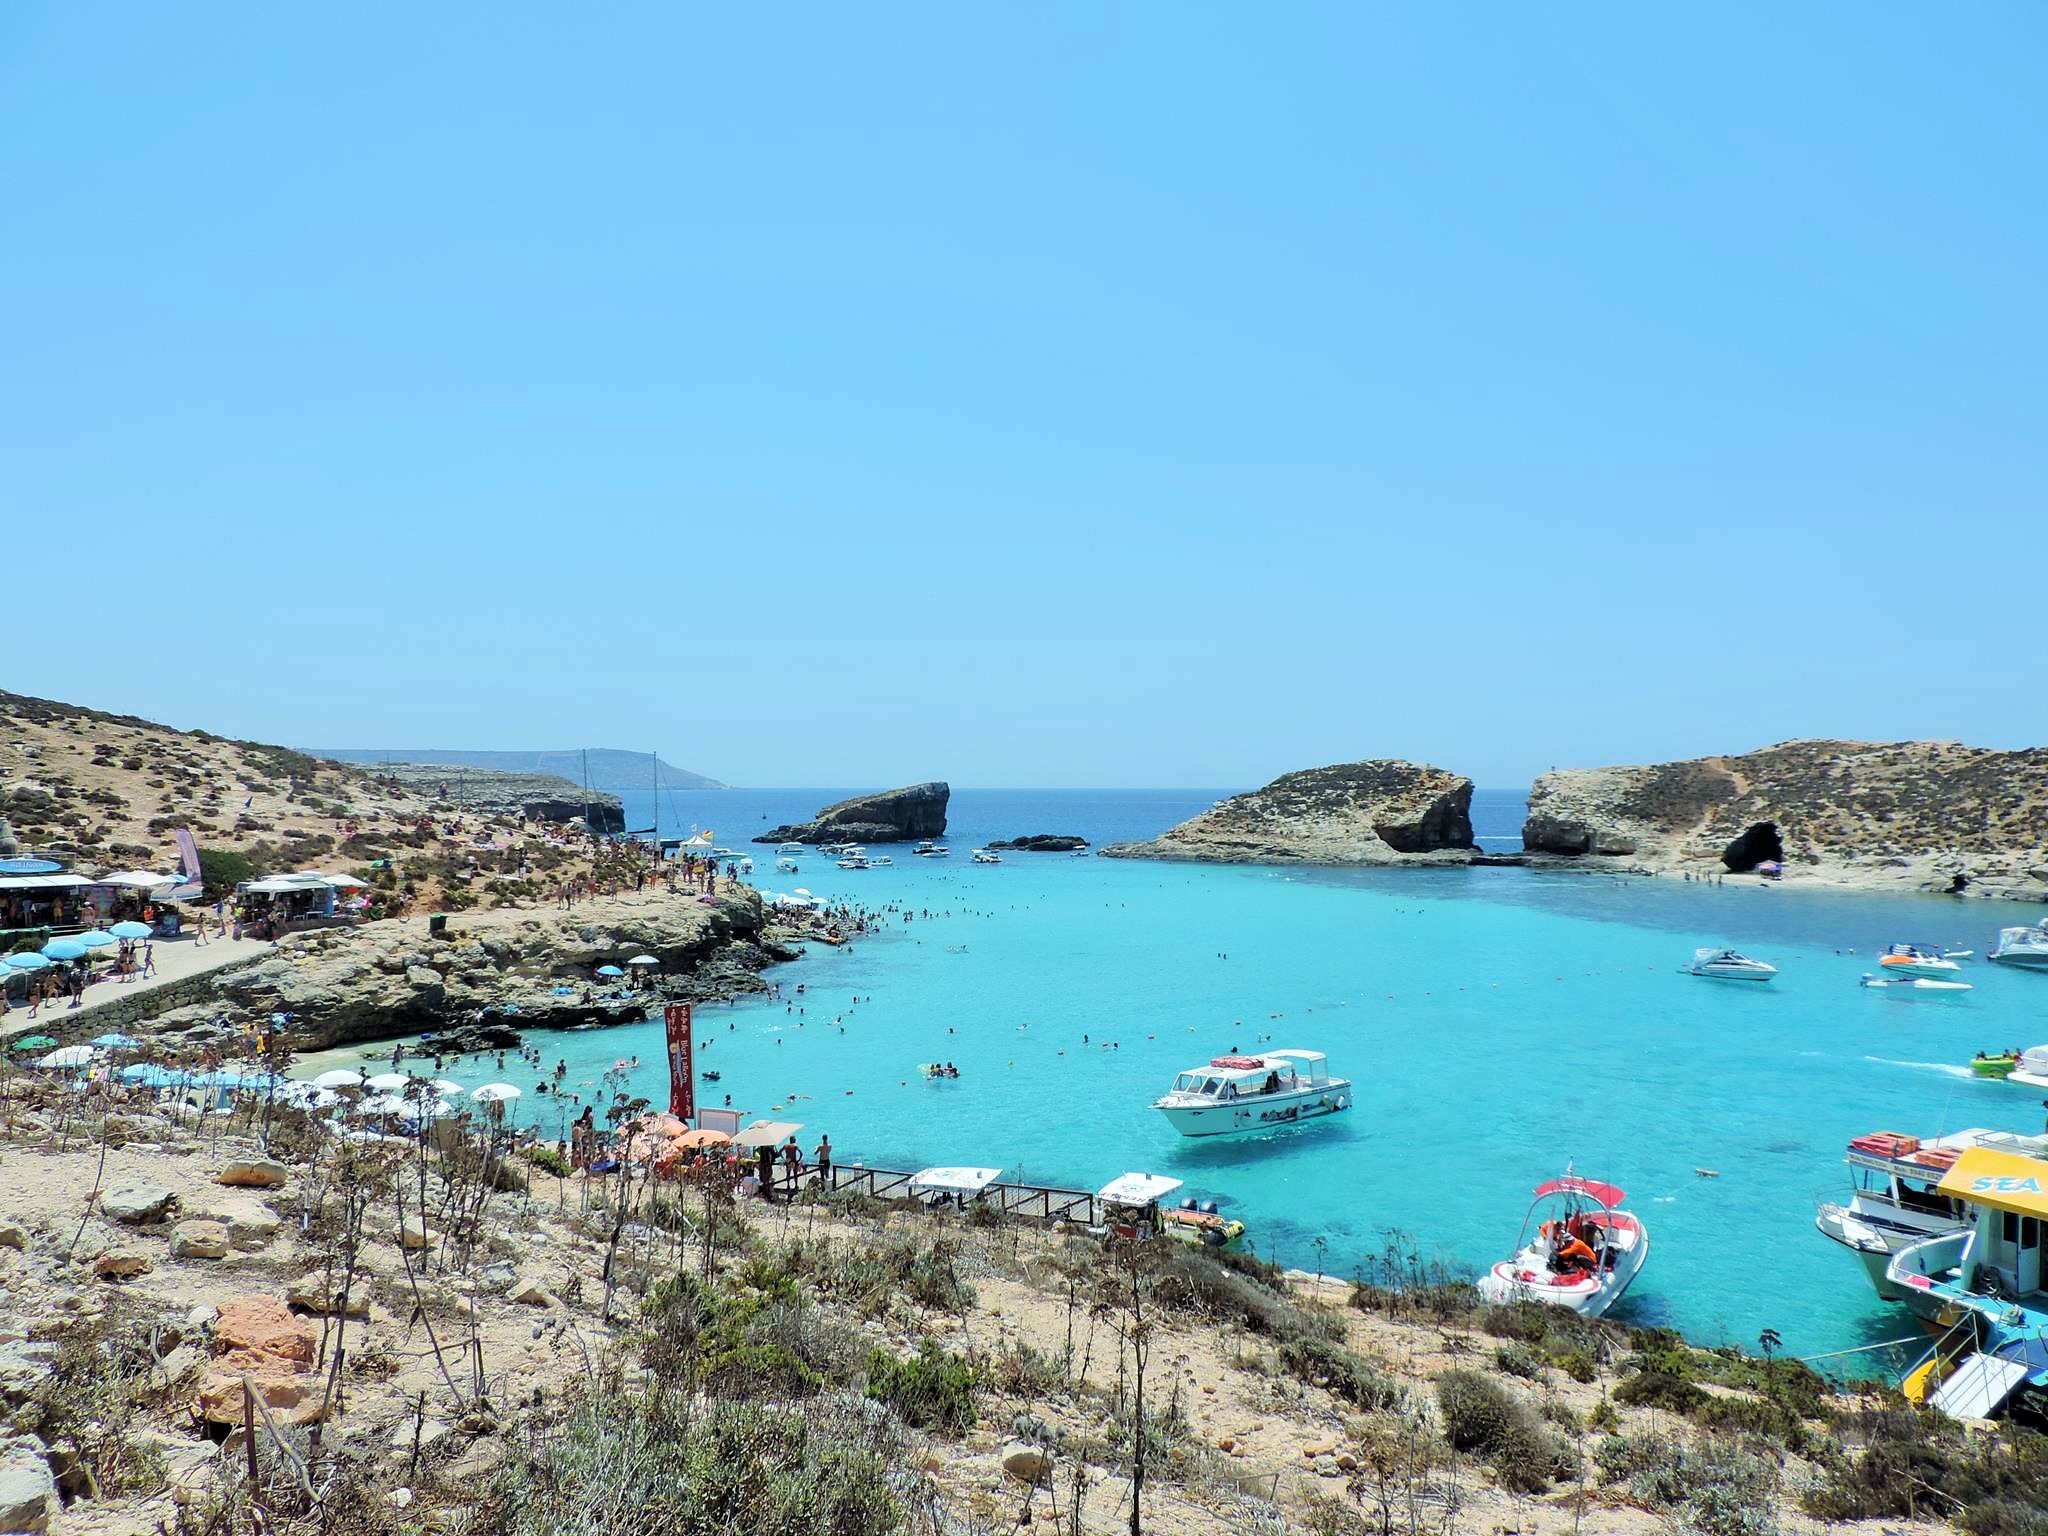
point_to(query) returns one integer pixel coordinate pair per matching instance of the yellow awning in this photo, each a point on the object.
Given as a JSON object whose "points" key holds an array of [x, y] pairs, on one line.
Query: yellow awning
{"points": [[2001, 1180]]}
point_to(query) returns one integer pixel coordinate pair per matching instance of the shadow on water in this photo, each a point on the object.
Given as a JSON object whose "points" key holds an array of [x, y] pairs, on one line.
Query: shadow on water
{"points": [[1207, 1156]]}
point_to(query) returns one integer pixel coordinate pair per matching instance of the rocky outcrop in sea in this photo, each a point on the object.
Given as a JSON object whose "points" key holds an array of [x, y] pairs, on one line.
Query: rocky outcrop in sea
{"points": [[1041, 842], [893, 816], [1381, 811], [1921, 815]]}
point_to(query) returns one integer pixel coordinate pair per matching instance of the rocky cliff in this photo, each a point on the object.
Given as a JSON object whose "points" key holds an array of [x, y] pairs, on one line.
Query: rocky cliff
{"points": [[1383, 811], [1925, 815], [490, 792], [390, 978], [894, 816]]}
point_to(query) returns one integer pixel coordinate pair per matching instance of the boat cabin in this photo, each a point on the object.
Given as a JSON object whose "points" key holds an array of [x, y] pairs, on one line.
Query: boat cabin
{"points": [[1130, 1203], [1888, 1168], [1244, 1077]]}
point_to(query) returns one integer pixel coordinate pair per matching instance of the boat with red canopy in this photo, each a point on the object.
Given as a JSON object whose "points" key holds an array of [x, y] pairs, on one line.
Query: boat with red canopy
{"points": [[1578, 1249]]}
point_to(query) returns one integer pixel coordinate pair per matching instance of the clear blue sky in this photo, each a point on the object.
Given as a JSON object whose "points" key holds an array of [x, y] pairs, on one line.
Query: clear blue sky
{"points": [[1147, 394]]}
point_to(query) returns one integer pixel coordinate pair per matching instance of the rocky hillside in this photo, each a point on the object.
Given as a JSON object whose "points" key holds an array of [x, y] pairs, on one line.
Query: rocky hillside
{"points": [[1926, 815], [1382, 811], [111, 789], [894, 816], [606, 767]]}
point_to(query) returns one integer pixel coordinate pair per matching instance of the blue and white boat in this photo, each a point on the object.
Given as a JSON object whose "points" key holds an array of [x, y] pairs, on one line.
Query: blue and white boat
{"points": [[1984, 1287], [1253, 1093]]}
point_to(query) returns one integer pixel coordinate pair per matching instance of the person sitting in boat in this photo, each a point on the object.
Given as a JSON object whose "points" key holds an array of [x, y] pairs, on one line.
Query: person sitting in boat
{"points": [[1573, 1256], [1272, 1083]]}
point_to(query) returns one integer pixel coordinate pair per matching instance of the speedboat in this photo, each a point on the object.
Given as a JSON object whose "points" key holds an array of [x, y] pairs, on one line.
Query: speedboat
{"points": [[1727, 965], [1918, 960], [2026, 947], [787, 866], [1984, 1286], [1894, 1200], [879, 861], [1913, 985], [790, 848], [1998, 1064], [931, 850], [1133, 1209], [1585, 1252], [853, 861], [983, 856], [1253, 1093]]}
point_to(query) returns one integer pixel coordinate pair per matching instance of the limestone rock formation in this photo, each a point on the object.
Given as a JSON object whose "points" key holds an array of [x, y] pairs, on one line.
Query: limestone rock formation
{"points": [[894, 816], [1041, 842], [1926, 815], [1381, 811], [495, 792]]}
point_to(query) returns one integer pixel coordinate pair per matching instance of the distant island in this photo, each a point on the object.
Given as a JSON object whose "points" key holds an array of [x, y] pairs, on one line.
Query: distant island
{"points": [[612, 768]]}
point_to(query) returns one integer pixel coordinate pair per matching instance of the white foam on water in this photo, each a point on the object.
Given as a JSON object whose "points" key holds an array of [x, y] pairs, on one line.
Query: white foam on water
{"points": [[1945, 1068]]}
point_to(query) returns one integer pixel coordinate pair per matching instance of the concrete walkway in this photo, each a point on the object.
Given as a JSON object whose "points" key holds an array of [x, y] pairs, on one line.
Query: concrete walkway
{"points": [[175, 959]]}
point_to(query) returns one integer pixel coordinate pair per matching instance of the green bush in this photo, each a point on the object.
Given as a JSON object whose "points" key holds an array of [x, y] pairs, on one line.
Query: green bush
{"points": [[1660, 1389], [1343, 1373], [223, 869], [1481, 1418], [1915, 1464], [1716, 1485], [1517, 1361], [547, 1159], [1232, 1288], [931, 1390]]}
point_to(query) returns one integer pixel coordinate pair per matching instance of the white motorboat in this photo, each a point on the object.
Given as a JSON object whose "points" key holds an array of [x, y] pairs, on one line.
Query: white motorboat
{"points": [[724, 853], [1893, 1200], [1912, 986], [2032, 1070], [853, 861], [787, 866], [1585, 1252], [983, 856], [1727, 965], [931, 850], [879, 861], [1253, 1093], [1133, 1209], [1918, 960], [789, 848], [2026, 947]]}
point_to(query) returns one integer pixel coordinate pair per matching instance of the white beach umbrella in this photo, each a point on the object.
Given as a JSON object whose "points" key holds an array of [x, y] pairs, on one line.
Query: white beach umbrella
{"points": [[340, 1077], [800, 891], [643, 960], [68, 1056], [304, 1095], [382, 1104], [495, 1093], [441, 1087], [428, 1109], [387, 1082]]}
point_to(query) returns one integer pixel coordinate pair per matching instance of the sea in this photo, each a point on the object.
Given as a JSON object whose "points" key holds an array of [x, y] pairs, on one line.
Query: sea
{"points": [[1500, 1026]]}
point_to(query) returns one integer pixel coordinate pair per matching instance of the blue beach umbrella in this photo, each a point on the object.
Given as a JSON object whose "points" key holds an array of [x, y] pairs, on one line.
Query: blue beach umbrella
{"points": [[609, 970], [99, 938], [130, 930], [116, 1042], [28, 960], [64, 949]]}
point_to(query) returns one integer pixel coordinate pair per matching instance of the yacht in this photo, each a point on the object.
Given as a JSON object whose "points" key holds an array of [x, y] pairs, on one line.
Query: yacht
{"points": [[1584, 1253], [931, 850], [2026, 947], [1984, 1285], [1894, 1197], [1727, 965], [1253, 1093], [853, 860], [789, 848], [1918, 960], [983, 856]]}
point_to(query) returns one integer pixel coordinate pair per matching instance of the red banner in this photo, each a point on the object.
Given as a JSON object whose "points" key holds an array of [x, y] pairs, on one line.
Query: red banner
{"points": [[682, 1089]]}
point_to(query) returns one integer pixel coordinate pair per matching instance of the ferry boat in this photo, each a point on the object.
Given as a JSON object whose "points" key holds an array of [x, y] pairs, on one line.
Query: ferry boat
{"points": [[1133, 1208], [1984, 1286], [1918, 960], [1894, 1196], [1253, 1093], [983, 856], [1585, 1253], [1727, 965], [2026, 948]]}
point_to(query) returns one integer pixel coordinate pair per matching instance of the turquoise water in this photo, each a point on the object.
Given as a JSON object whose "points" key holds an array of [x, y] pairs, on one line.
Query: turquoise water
{"points": [[1497, 1023]]}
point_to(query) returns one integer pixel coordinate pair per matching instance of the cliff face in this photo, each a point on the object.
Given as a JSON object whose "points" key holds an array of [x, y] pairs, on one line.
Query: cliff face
{"points": [[1383, 811], [894, 816], [1928, 815]]}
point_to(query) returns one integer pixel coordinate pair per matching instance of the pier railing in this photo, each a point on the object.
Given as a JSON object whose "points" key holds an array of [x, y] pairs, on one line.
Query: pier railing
{"points": [[1043, 1202]]}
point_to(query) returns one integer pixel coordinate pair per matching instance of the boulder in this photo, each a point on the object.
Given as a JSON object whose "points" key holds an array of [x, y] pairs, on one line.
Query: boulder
{"points": [[254, 1173], [258, 1337], [894, 816], [199, 1240], [28, 1496], [412, 1234], [318, 1294], [1026, 1463], [531, 1291], [136, 1204], [293, 1397], [1041, 842], [13, 1235], [122, 1264], [264, 1329]]}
